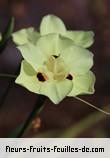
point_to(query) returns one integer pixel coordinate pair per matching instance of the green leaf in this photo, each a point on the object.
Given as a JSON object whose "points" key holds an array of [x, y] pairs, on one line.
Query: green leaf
{"points": [[7, 34], [17, 130]]}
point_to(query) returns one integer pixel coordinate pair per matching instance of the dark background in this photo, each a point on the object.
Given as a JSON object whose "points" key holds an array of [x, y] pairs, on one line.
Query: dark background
{"points": [[18, 103]]}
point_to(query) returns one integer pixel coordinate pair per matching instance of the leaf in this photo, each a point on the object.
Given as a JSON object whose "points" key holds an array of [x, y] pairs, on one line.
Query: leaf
{"points": [[7, 34]]}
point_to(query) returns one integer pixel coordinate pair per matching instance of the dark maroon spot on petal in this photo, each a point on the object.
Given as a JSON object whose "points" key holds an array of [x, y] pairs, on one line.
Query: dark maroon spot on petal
{"points": [[41, 77], [69, 77], [55, 56]]}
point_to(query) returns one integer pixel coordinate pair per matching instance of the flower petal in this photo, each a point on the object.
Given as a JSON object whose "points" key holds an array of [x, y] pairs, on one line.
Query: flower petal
{"points": [[53, 44], [24, 36], [32, 55], [56, 90], [81, 38], [77, 59], [27, 78], [33, 36], [83, 84], [52, 24]]}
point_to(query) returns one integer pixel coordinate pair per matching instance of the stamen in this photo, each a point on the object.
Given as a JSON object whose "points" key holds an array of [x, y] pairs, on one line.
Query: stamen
{"points": [[69, 77], [42, 77]]}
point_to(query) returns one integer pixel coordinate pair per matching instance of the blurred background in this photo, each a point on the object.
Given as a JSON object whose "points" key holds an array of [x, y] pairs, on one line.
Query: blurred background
{"points": [[70, 118]]}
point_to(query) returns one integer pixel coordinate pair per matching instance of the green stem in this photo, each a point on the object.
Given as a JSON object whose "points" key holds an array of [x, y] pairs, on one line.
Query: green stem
{"points": [[3, 97], [8, 75], [36, 110], [93, 106]]}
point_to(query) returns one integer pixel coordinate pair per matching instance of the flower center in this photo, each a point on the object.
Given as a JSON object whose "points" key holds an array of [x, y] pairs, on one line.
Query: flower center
{"points": [[55, 69]]}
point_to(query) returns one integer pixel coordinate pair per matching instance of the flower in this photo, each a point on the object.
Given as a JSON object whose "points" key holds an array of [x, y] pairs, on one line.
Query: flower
{"points": [[53, 24], [56, 67]]}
